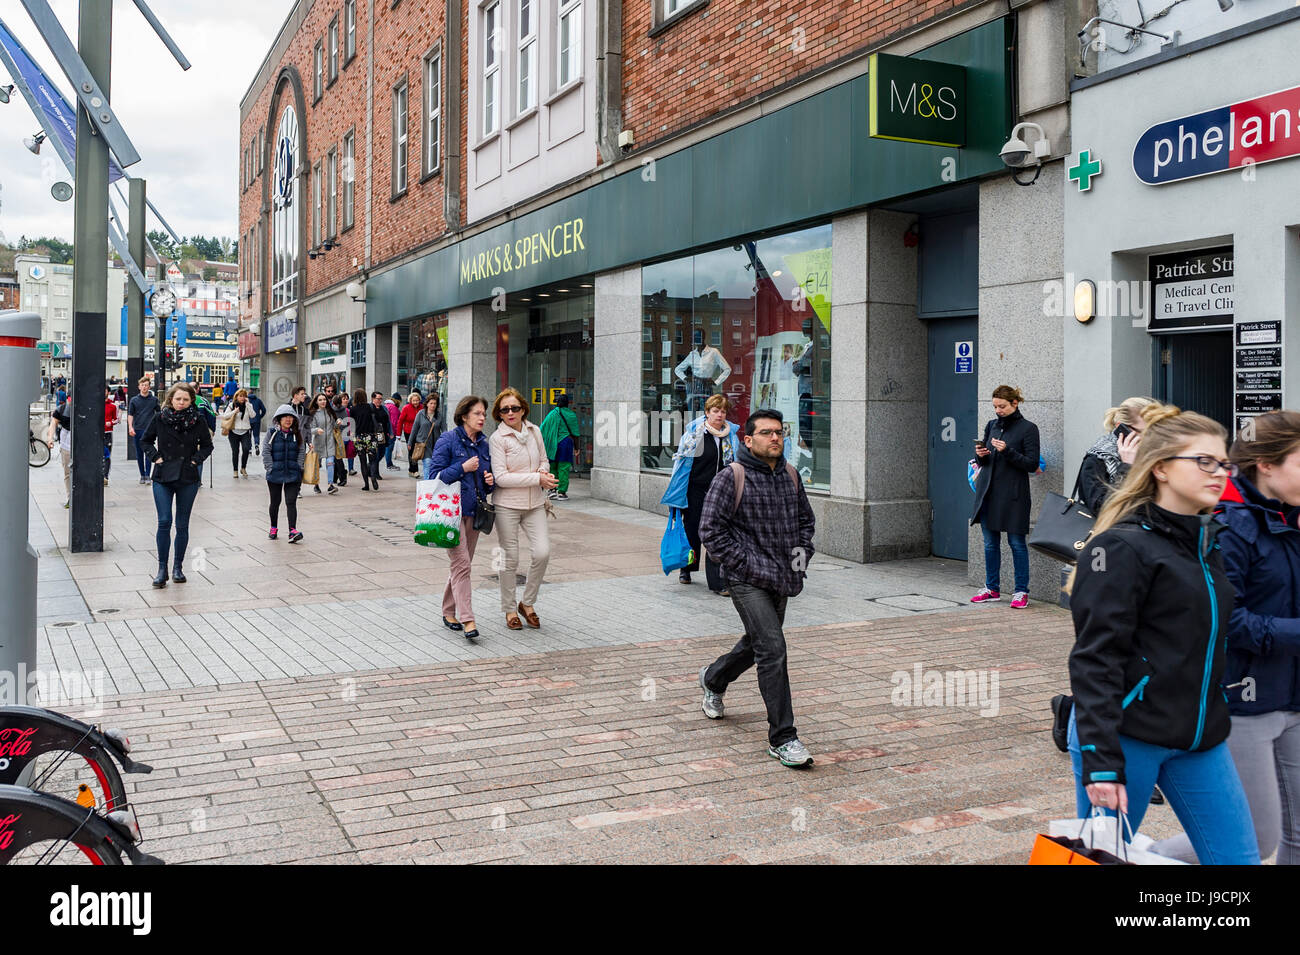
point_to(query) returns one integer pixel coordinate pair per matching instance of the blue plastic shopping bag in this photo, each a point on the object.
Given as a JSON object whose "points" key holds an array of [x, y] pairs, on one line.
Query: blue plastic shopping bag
{"points": [[675, 550]]}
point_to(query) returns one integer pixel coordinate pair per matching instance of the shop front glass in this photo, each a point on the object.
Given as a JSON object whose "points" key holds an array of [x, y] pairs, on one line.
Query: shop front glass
{"points": [[421, 358], [336, 372], [751, 321], [545, 348]]}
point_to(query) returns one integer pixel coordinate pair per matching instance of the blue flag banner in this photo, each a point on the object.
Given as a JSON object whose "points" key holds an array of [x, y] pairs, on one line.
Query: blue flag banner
{"points": [[45, 96]]}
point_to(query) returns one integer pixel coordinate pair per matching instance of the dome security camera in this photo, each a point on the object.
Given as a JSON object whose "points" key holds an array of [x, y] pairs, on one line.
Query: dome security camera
{"points": [[1018, 154]]}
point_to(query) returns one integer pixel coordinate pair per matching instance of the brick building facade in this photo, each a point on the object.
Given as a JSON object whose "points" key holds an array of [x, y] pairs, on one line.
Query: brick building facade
{"points": [[689, 231]]}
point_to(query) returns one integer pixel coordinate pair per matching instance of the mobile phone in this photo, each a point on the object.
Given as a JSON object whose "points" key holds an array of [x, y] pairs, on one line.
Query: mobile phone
{"points": [[1122, 430], [979, 442]]}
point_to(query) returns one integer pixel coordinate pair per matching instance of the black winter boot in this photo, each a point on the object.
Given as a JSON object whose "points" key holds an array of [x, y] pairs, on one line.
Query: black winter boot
{"points": [[161, 579], [178, 574]]}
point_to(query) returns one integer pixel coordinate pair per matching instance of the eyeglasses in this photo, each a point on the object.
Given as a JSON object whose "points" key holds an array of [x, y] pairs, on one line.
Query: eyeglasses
{"points": [[1208, 464], [767, 432], [513, 409]]}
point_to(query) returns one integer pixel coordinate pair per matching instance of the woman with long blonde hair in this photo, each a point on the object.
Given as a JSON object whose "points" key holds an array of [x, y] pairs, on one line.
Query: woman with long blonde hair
{"points": [[1151, 604]]}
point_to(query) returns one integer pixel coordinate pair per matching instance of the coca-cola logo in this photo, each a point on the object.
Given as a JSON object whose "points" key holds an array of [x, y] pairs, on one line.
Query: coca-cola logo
{"points": [[16, 742], [6, 832]]}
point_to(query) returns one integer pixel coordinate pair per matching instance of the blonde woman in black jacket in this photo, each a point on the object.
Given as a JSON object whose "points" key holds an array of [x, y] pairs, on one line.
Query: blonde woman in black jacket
{"points": [[178, 442], [1151, 604]]}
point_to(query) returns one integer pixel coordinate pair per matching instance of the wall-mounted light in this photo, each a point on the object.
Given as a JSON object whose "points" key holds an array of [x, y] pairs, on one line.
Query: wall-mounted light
{"points": [[7, 91], [1085, 302], [356, 291], [33, 143]]}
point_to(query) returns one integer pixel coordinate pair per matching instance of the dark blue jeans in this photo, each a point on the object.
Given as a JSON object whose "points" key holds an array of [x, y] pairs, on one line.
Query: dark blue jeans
{"points": [[163, 496], [763, 615], [993, 560], [141, 459]]}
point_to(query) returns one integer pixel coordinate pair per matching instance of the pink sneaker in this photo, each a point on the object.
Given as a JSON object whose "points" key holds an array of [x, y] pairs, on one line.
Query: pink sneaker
{"points": [[1019, 600], [984, 595]]}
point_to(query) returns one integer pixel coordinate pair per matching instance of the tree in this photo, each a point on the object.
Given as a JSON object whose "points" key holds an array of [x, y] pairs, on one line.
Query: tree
{"points": [[164, 244], [58, 250]]}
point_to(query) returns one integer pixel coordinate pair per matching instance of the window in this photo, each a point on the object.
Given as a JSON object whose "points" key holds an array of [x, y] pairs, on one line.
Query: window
{"points": [[401, 148], [491, 67], [261, 149], [349, 177], [527, 57], [349, 31], [357, 354], [647, 334], [671, 7], [677, 336], [318, 72], [315, 205], [647, 361], [569, 59], [783, 363], [432, 110], [332, 199], [284, 212], [334, 48]]}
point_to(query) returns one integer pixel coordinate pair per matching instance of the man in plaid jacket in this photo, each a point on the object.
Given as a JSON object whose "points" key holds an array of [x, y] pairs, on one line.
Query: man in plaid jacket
{"points": [[761, 532]]}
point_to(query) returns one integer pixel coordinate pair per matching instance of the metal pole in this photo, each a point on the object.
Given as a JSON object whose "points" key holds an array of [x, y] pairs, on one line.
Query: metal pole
{"points": [[19, 364], [90, 292], [135, 302]]}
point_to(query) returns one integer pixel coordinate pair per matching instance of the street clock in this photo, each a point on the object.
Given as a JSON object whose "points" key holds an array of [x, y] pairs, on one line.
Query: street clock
{"points": [[162, 302]]}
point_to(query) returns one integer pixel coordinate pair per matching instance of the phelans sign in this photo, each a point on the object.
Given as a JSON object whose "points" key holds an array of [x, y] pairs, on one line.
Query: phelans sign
{"points": [[916, 101]]}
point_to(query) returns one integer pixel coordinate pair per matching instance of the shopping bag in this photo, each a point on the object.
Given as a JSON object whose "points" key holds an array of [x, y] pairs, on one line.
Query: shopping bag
{"points": [[675, 550], [399, 453], [311, 468], [1080, 841], [1137, 850], [437, 514]]}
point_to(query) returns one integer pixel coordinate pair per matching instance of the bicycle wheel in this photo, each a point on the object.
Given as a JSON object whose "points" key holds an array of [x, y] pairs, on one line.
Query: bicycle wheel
{"points": [[50, 753], [39, 829], [38, 453]]}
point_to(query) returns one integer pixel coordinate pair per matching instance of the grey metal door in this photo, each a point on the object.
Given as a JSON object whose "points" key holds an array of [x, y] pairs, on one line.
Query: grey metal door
{"points": [[1198, 374], [953, 423]]}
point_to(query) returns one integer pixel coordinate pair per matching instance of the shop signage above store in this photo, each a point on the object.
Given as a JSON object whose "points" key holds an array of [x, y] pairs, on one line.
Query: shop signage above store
{"points": [[250, 344], [916, 101], [281, 332], [1191, 291], [214, 356], [747, 180], [1255, 130]]}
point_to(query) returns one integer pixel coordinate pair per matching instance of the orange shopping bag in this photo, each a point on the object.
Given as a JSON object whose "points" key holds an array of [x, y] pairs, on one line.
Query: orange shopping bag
{"points": [[1059, 850]]}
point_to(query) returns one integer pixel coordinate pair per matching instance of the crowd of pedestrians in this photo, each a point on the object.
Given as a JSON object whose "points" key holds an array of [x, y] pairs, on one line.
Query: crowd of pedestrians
{"points": [[1185, 670]]}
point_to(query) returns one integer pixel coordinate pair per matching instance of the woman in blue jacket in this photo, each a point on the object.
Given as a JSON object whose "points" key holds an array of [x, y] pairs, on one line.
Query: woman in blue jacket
{"points": [[1261, 678], [708, 445], [461, 456], [284, 453]]}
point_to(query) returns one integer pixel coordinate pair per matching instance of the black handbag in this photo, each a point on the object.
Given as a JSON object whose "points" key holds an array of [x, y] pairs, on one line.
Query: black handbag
{"points": [[1064, 526], [485, 514]]}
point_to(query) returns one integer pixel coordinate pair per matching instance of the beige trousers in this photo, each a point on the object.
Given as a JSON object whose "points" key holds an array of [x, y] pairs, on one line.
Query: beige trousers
{"points": [[532, 522]]}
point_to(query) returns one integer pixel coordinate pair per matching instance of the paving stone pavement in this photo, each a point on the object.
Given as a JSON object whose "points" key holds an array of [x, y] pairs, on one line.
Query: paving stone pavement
{"points": [[602, 755], [304, 704]]}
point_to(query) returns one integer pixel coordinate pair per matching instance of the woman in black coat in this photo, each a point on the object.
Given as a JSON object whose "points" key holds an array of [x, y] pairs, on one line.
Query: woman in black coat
{"points": [[1008, 454], [367, 444], [178, 442]]}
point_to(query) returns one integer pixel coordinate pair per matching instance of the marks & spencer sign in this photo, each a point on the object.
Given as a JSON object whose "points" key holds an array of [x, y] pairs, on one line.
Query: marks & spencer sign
{"points": [[916, 101], [1255, 130]]}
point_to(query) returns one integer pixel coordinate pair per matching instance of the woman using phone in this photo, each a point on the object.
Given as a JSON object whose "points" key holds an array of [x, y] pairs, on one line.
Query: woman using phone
{"points": [[1008, 454], [1151, 604], [1106, 463]]}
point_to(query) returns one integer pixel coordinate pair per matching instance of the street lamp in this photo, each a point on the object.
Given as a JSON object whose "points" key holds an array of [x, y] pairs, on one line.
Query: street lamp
{"points": [[33, 143], [6, 92]]}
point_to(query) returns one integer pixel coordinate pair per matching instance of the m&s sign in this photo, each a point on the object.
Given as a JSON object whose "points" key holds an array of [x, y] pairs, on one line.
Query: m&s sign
{"points": [[917, 101]]}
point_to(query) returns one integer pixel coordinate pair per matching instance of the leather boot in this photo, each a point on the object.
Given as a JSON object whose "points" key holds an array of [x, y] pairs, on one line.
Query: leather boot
{"points": [[161, 579], [178, 574]]}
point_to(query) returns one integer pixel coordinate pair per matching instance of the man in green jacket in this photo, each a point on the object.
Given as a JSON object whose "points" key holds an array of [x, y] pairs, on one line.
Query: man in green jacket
{"points": [[559, 429]]}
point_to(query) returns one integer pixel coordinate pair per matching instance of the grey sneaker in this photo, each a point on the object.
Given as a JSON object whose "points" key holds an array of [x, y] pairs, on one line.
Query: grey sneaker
{"points": [[713, 707], [793, 753]]}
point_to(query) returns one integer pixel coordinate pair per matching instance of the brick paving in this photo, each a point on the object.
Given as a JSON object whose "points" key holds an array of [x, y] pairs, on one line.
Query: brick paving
{"points": [[302, 704]]}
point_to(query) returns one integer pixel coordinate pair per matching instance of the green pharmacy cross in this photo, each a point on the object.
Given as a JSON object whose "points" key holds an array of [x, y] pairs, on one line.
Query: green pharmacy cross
{"points": [[1083, 173]]}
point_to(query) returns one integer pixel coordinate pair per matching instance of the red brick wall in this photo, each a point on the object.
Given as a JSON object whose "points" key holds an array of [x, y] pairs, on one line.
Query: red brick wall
{"points": [[733, 50], [403, 35]]}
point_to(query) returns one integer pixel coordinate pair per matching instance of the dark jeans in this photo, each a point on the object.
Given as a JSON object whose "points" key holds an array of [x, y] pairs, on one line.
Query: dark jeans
{"points": [[146, 466], [257, 438], [183, 495], [290, 490], [763, 614], [240, 442], [388, 452], [993, 560], [717, 580], [108, 453]]}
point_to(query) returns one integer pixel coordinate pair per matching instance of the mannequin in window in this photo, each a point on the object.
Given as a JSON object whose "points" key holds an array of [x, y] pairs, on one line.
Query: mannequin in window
{"points": [[708, 370]]}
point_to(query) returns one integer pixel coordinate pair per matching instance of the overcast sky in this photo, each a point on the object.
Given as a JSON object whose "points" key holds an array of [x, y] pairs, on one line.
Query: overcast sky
{"points": [[185, 124]]}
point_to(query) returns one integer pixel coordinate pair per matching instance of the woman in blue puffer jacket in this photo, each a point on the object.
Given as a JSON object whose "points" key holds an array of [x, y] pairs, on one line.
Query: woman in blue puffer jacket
{"points": [[1261, 679], [708, 445], [461, 456], [284, 453]]}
